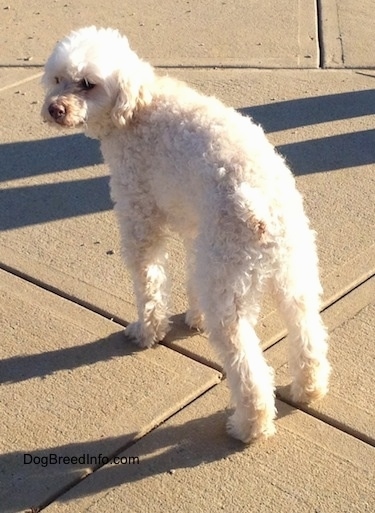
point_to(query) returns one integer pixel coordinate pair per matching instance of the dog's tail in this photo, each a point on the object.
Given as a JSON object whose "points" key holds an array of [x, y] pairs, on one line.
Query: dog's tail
{"points": [[251, 208]]}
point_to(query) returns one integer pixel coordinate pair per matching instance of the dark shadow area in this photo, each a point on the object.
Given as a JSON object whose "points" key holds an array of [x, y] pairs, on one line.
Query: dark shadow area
{"points": [[323, 154], [26, 485], [33, 158], [330, 153], [284, 115], [179, 329], [25, 206], [21, 368]]}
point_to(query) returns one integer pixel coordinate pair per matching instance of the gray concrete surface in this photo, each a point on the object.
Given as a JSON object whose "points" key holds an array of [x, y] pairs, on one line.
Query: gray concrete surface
{"points": [[347, 33], [210, 33], [70, 384]]}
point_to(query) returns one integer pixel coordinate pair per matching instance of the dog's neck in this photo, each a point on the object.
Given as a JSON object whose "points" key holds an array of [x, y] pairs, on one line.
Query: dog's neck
{"points": [[100, 128]]}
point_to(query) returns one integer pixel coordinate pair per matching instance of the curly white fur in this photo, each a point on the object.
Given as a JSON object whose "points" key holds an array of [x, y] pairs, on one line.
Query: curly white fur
{"points": [[180, 159]]}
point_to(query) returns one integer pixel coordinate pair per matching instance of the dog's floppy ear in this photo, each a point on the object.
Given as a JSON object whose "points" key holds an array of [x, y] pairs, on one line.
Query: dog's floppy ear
{"points": [[131, 97]]}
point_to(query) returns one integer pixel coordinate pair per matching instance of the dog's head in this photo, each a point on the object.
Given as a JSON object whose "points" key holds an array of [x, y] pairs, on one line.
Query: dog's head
{"points": [[94, 80]]}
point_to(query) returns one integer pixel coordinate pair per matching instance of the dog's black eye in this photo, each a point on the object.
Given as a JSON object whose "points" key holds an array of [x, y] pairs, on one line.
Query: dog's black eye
{"points": [[57, 80], [85, 84]]}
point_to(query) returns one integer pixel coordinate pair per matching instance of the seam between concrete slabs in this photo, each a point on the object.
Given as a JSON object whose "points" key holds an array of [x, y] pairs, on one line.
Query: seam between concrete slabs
{"points": [[123, 323], [204, 67], [20, 82], [319, 29]]}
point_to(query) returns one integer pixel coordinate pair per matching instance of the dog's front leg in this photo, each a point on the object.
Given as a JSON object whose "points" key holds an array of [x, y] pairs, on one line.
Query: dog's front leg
{"points": [[147, 267], [143, 248]]}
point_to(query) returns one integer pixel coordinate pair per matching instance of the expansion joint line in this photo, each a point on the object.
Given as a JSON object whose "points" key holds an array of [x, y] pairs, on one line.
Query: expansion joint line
{"points": [[319, 28]]}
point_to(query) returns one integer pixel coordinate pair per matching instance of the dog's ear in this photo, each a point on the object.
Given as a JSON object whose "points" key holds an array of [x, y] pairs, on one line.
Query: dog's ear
{"points": [[131, 97]]}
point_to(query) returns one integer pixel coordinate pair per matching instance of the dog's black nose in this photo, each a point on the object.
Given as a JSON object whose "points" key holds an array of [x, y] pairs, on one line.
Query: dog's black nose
{"points": [[57, 111]]}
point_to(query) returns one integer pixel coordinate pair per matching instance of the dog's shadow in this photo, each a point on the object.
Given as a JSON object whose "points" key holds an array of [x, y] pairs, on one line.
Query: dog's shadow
{"points": [[175, 445], [169, 449], [179, 329], [22, 368]]}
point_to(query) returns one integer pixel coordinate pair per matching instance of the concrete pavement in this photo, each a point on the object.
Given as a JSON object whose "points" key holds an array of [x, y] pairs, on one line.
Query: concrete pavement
{"points": [[71, 387]]}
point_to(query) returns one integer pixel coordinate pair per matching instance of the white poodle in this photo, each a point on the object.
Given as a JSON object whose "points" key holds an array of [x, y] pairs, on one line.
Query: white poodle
{"points": [[183, 160]]}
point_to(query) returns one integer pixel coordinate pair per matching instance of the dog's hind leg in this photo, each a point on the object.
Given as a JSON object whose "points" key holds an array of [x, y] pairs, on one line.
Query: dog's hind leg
{"points": [[230, 300], [297, 288], [194, 317], [251, 382]]}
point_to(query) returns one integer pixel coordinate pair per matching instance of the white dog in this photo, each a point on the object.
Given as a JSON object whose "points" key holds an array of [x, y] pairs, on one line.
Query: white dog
{"points": [[180, 159]]}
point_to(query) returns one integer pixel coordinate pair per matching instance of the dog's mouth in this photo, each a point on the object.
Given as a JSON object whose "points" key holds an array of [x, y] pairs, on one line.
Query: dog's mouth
{"points": [[65, 124]]}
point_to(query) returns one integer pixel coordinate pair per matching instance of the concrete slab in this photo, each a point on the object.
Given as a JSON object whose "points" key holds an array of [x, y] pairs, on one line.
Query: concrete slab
{"points": [[179, 32], [349, 404], [347, 34], [55, 212], [189, 464], [71, 386]]}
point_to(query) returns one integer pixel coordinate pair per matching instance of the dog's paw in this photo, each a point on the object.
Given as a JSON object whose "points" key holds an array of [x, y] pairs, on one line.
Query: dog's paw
{"points": [[194, 319], [311, 383], [247, 431], [139, 336], [303, 394], [146, 336]]}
